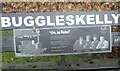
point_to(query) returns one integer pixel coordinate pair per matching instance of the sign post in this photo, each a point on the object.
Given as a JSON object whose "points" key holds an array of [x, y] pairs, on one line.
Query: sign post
{"points": [[62, 60]]}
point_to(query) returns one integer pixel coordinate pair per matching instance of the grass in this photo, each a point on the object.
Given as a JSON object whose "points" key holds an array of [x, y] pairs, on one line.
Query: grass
{"points": [[9, 57], [6, 33]]}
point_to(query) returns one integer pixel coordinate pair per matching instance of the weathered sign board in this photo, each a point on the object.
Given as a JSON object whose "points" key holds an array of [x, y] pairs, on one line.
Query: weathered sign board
{"points": [[62, 41], [42, 34]]}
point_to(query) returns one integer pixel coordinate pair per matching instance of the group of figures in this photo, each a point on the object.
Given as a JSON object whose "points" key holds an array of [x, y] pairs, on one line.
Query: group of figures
{"points": [[91, 43]]}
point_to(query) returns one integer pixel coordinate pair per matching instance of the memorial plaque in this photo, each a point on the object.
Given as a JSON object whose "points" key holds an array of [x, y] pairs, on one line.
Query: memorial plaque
{"points": [[62, 40]]}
